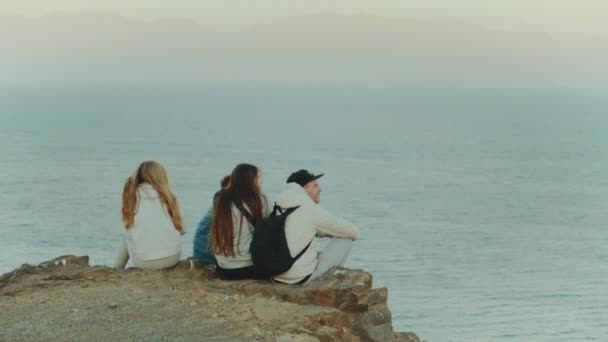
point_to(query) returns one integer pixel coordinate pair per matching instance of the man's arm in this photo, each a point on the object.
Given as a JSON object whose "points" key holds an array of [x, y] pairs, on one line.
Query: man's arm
{"points": [[327, 224]]}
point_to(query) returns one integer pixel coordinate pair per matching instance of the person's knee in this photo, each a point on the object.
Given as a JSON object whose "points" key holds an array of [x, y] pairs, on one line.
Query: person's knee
{"points": [[343, 242], [344, 246]]}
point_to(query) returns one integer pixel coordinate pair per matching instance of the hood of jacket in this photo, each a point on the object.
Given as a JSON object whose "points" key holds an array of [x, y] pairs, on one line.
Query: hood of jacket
{"points": [[292, 196]]}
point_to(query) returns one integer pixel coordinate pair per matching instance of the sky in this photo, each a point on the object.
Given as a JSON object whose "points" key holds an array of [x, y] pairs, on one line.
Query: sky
{"points": [[291, 41], [569, 19]]}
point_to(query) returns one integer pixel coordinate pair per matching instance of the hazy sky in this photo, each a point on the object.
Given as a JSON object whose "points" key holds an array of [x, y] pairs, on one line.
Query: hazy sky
{"points": [[563, 18]]}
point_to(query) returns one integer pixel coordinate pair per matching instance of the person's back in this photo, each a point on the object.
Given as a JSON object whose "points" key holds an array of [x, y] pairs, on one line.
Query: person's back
{"points": [[307, 222], [152, 220], [242, 235], [153, 235], [235, 212], [200, 243], [200, 249]]}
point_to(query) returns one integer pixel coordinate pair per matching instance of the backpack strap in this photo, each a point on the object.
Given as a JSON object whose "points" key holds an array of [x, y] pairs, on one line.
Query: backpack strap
{"points": [[276, 208], [302, 252], [283, 211], [245, 213], [290, 210], [287, 212]]}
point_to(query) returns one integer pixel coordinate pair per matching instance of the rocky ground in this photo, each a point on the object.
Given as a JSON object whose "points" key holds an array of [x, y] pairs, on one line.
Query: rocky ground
{"points": [[65, 299]]}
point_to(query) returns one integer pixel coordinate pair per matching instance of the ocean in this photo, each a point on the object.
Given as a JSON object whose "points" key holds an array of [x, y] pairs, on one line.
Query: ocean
{"points": [[483, 211]]}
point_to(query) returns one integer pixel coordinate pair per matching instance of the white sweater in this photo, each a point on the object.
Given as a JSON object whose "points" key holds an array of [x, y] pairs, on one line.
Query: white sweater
{"points": [[301, 227], [242, 254], [153, 235]]}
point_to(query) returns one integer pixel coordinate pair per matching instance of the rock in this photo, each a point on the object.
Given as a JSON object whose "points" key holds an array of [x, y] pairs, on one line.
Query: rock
{"points": [[296, 338], [339, 277], [188, 264], [15, 275], [193, 265], [406, 337], [65, 260], [340, 306], [245, 314], [290, 327]]}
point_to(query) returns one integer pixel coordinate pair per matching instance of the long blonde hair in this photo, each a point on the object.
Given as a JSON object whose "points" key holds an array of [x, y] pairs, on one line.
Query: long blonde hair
{"points": [[153, 173]]}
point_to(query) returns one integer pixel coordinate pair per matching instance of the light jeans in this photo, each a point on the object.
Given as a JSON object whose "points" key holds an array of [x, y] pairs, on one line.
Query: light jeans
{"points": [[155, 264], [334, 254]]}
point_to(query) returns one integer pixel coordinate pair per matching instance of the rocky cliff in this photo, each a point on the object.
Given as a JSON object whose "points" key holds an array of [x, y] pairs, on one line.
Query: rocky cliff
{"points": [[65, 299]]}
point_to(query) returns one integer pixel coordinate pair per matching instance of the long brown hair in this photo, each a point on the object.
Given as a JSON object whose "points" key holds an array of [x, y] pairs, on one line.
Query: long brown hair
{"points": [[153, 173], [242, 191]]}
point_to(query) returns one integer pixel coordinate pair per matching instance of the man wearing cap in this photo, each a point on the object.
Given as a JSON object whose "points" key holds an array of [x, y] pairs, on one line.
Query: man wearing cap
{"points": [[307, 222]]}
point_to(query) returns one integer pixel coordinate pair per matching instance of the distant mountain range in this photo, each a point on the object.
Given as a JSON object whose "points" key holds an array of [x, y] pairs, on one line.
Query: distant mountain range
{"points": [[101, 48]]}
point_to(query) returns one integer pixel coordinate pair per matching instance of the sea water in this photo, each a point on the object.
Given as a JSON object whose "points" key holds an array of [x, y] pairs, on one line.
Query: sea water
{"points": [[483, 211]]}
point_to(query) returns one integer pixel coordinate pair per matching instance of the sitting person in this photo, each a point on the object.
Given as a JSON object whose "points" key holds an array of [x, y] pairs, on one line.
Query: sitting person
{"points": [[201, 246], [235, 211], [153, 222], [307, 222]]}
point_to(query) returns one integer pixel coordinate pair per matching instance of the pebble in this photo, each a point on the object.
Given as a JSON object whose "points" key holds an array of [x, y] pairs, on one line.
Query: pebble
{"points": [[245, 314]]}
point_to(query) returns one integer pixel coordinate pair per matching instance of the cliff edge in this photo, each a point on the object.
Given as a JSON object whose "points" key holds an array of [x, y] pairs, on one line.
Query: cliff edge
{"points": [[65, 299]]}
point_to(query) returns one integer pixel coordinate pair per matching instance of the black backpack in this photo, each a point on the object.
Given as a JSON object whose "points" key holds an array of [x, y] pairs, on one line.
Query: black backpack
{"points": [[269, 250]]}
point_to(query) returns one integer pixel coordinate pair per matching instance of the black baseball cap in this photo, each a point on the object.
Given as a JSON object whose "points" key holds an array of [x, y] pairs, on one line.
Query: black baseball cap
{"points": [[302, 177]]}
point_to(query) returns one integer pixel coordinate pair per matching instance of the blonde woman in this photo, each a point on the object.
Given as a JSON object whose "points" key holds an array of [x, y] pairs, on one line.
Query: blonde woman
{"points": [[153, 222]]}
